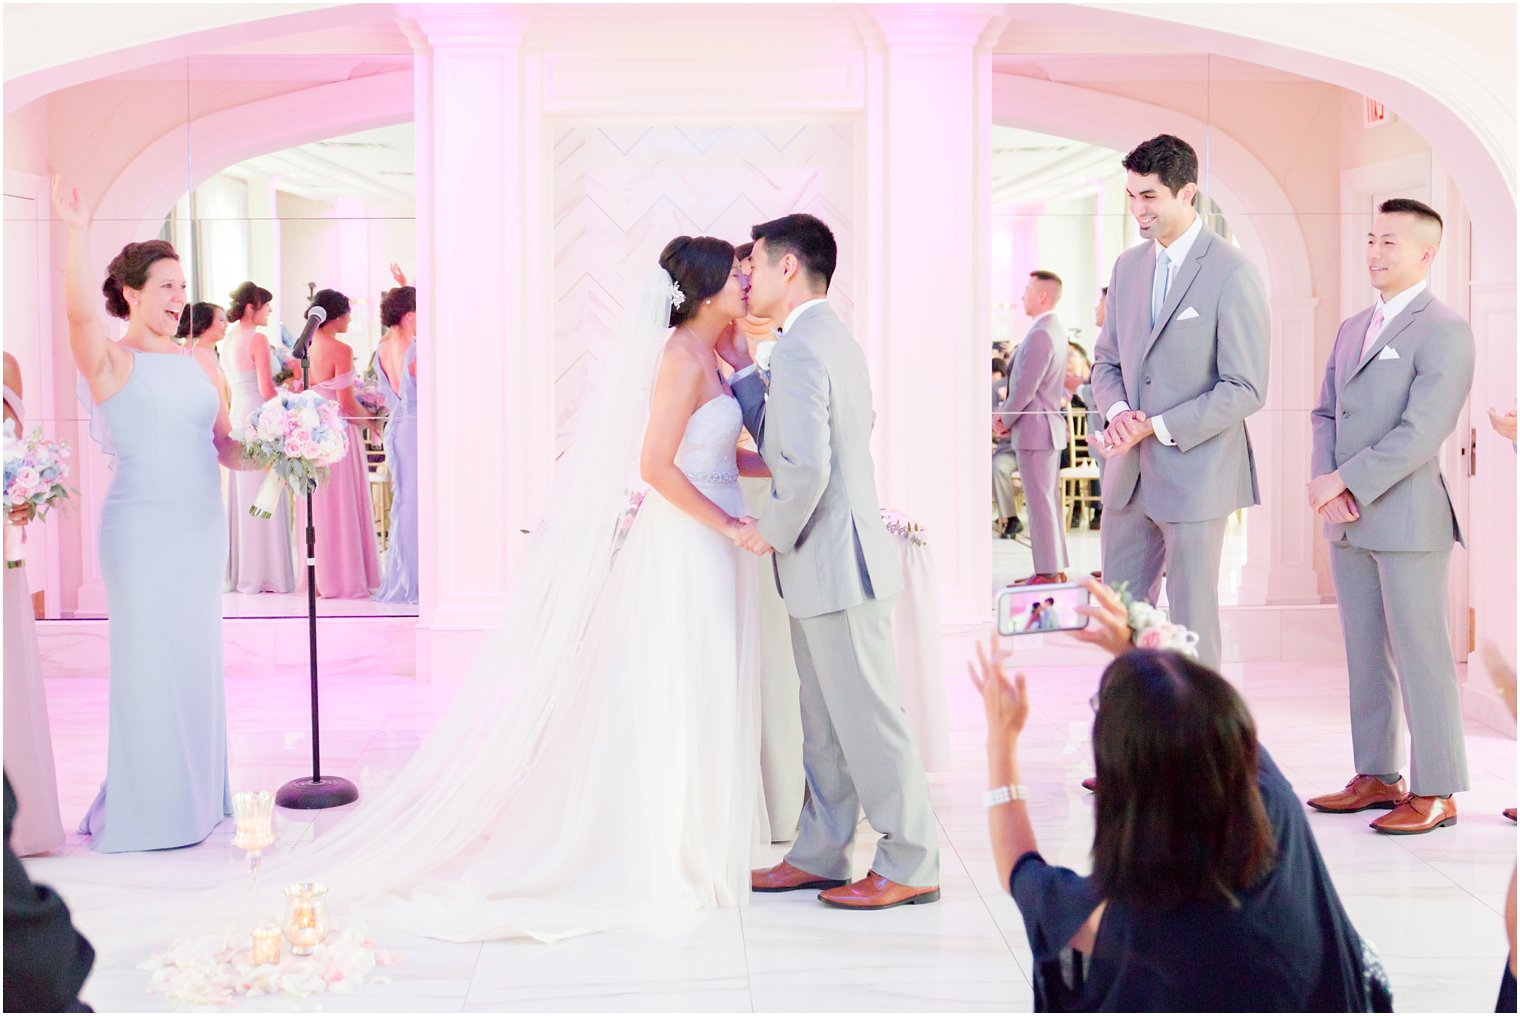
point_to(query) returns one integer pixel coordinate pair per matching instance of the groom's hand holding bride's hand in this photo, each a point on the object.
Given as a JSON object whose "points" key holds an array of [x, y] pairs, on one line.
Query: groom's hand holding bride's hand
{"points": [[748, 536]]}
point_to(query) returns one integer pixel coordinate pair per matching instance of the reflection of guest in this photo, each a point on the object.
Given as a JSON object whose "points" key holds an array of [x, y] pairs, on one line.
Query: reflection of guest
{"points": [[1179, 365], [260, 555], [163, 547], [1393, 390], [348, 556], [999, 381], [1079, 392], [46, 960], [395, 366], [28, 737], [1188, 879], [202, 326], [1035, 431]]}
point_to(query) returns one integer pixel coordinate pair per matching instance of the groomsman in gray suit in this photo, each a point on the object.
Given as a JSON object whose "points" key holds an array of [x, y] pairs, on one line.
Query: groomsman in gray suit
{"points": [[837, 570], [1393, 390], [1180, 363], [1033, 428]]}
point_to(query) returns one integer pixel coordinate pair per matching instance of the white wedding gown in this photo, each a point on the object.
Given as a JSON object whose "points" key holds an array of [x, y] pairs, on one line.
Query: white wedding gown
{"points": [[637, 797]]}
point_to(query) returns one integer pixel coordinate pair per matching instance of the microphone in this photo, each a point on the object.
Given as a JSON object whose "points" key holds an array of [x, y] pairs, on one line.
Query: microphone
{"points": [[314, 318]]}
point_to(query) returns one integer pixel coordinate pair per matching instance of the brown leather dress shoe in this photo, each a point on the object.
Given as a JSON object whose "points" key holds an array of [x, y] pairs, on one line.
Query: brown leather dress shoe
{"points": [[1041, 580], [1509, 813], [1417, 815], [1090, 784], [1361, 793], [877, 893], [784, 878]]}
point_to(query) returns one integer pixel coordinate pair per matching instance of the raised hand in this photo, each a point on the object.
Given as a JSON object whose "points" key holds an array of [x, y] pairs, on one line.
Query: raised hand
{"points": [[69, 205], [1004, 699], [731, 348], [1109, 620], [397, 273]]}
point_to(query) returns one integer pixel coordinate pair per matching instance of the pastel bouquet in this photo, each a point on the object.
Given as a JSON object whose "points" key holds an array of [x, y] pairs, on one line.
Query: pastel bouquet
{"points": [[285, 366], [34, 474], [368, 394], [1152, 629], [295, 436], [625, 517]]}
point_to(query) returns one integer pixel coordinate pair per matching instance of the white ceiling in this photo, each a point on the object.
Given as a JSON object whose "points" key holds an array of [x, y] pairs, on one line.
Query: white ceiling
{"points": [[1030, 168], [375, 165]]}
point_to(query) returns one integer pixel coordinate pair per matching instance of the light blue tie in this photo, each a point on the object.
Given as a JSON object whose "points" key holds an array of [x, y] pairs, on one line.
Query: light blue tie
{"points": [[1158, 285]]}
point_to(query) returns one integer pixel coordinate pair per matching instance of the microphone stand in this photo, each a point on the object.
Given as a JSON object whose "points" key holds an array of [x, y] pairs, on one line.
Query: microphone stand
{"points": [[319, 791]]}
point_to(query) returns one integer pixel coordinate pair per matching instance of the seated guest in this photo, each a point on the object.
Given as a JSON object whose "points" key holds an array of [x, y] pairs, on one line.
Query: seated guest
{"points": [[1207, 890], [46, 959], [999, 381]]}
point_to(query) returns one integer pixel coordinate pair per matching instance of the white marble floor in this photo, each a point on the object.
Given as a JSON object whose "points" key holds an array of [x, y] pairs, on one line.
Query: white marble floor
{"points": [[1431, 904]]}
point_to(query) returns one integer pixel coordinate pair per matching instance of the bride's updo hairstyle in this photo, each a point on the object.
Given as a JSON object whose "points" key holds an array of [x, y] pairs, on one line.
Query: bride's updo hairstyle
{"points": [[129, 270], [700, 265]]}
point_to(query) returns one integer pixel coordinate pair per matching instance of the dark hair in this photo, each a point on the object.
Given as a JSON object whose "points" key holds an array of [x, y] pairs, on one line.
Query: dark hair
{"points": [[1409, 206], [396, 304], [700, 266], [332, 301], [804, 236], [1160, 841], [129, 270], [1105, 290], [1044, 276], [195, 319], [998, 366], [1169, 157], [1080, 352], [744, 250], [247, 295]]}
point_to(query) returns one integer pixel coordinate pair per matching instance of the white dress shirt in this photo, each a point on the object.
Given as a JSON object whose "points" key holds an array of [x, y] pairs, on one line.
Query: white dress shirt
{"points": [[1175, 255], [1396, 306]]}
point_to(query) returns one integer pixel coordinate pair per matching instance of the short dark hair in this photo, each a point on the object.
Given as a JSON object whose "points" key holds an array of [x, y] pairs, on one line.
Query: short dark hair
{"points": [[1159, 841], [195, 319], [1169, 157], [1044, 276], [998, 366], [744, 250], [249, 294], [807, 238], [129, 270], [331, 301], [396, 304], [700, 265], [1105, 290], [1409, 206]]}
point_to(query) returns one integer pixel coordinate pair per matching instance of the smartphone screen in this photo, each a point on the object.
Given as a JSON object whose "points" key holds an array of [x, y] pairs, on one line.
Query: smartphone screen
{"points": [[1030, 610]]}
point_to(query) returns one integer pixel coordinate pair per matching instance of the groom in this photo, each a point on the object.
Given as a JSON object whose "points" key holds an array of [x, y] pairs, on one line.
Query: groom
{"points": [[837, 570]]}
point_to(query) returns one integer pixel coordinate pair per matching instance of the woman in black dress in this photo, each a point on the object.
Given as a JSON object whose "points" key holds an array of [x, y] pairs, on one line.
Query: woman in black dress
{"points": [[1207, 891]]}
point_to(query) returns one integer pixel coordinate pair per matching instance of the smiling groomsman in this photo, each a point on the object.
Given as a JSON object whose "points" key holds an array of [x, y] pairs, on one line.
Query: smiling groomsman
{"points": [[1180, 362], [1394, 387]]}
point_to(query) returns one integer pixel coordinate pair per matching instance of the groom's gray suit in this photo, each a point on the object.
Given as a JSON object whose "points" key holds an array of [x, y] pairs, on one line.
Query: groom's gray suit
{"points": [[1381, 418], [1202, 368], [837, 569]]}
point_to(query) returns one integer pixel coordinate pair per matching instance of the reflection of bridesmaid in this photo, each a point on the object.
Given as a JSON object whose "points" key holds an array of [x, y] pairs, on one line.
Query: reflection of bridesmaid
{"points": [[163, 545], [202, 325], [348, 556], [396, 369], [260, 558], [28, 741]]}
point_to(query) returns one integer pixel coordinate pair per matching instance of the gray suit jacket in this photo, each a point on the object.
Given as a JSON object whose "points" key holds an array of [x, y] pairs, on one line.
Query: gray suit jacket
{"points": [[1203, 367], [813, 429], [1381, 421], [1036, 377]]}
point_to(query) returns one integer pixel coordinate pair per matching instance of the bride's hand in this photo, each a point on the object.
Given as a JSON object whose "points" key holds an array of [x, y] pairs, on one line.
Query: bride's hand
{"points": [[68, 204], [732, 349]]}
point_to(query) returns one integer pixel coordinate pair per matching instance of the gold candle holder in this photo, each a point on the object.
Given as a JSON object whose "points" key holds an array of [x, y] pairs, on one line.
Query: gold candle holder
{"points": [[305, 916], [266, 946]]}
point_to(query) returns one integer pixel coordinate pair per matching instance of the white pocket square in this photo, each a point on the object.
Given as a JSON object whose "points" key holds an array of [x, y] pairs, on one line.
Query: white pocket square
{"points": [[1187, 315], [1388, 353]]}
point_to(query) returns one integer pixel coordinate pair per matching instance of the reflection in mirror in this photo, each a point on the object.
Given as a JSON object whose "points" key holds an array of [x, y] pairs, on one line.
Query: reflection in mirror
{"points": [[334, 214]]}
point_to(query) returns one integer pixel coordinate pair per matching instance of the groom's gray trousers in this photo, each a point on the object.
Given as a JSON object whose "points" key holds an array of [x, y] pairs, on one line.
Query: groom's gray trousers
{"points": [[858, 752]]}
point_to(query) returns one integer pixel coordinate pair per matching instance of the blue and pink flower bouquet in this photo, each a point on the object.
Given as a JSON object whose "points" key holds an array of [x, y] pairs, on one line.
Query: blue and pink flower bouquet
{"points": [[296, 436], [34, 475]]}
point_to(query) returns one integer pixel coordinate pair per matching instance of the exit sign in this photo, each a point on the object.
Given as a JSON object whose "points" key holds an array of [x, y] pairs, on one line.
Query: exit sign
{"points": [[1376, 114]]}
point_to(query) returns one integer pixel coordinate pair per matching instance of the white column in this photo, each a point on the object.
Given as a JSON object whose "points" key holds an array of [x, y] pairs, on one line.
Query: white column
{"points": [[928, 126], [1280, 532], [486, 423]]}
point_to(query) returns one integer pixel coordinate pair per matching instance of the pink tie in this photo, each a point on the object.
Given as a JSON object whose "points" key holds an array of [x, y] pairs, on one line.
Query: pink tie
{"points": [[1373, 330]]}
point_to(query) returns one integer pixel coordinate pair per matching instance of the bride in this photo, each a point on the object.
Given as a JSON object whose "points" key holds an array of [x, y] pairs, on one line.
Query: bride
{"points": [[601, 766]]}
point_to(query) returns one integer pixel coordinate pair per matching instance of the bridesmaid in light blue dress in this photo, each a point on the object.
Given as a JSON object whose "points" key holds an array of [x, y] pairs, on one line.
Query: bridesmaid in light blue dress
{"points": [[163, 547], [398, 313]]}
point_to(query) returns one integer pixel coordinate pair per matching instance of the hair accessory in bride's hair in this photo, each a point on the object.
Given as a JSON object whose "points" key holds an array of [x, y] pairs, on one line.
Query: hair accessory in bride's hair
{"points": [[677, 298]]}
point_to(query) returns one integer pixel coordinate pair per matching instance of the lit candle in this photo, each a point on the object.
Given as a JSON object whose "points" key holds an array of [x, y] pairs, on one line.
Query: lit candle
{"points": [[266, 946], [305, 916]]}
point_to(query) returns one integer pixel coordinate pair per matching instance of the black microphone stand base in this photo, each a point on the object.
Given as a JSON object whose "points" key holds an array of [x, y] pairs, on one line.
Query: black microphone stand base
{"points": [[308, 795]]}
